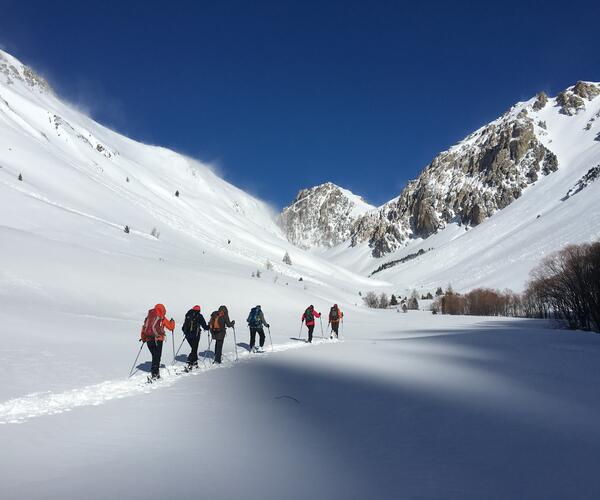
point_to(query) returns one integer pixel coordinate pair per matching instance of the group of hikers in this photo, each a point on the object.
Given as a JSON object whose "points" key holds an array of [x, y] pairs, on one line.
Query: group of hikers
{"points": [[153, 331]]}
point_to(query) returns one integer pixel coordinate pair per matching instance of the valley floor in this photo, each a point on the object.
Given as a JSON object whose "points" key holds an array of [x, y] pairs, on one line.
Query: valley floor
{"points": [[407, 406]]}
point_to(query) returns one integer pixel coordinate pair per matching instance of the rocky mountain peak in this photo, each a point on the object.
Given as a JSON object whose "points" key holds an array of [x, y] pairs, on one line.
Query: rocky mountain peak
{"points": [[322, 216]]}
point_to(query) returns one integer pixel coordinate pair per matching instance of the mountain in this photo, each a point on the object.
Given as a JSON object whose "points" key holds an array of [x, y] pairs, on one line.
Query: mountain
{"points": [[466, 184], [486, 211], [322, 216]]}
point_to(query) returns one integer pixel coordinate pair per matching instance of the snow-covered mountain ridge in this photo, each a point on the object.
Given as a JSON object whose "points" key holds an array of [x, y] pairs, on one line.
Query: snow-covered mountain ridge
{"points": [[466, 184]]}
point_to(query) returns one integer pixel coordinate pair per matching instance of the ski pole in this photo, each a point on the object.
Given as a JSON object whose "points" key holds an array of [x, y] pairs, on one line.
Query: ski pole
{"points": [[175, 357], [235, 342], [173, 344], [208, 337], [136, 358], [321, 322], [270, 338], [300, 333]]}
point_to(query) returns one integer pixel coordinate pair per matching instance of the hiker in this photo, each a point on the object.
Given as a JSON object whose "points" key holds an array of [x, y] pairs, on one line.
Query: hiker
{"points": [[335, 316], [256, 320], [153, 335], [192, 328], [219, 322], [309, 319]]}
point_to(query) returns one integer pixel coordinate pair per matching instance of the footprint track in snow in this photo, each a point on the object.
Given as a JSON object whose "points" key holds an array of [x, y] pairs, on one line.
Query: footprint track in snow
{"points": [[19, 410]]}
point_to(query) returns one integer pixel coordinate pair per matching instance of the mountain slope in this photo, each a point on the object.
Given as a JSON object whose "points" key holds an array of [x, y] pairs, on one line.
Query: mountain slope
{"points": [[541, 157]]}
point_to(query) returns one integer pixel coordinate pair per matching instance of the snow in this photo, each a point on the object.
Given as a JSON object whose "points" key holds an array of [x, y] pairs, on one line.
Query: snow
{"points": [[403, 406]]}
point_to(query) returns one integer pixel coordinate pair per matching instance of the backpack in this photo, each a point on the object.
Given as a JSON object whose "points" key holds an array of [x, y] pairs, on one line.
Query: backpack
{"points": [[214, 324], [253, 318], [308, 315], [147, 330], [190, 323], [334, 314]]}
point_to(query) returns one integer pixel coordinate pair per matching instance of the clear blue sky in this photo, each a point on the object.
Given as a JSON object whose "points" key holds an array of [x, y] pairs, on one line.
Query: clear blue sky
{"points": [[288, 94]]}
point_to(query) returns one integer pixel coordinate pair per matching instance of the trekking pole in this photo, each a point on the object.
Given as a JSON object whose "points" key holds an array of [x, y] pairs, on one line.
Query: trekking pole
{"points": [[173, 344], [235, 342], [136, 358], [321, 322], [175, 357], [270, 338], [209, 338], [300, 332]]}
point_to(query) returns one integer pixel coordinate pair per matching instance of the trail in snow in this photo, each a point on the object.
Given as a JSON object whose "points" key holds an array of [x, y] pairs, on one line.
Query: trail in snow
{"points": [[18, 410]]}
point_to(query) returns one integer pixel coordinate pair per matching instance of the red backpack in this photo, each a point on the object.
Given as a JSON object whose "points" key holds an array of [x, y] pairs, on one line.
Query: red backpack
{"points": [[147, 328]]}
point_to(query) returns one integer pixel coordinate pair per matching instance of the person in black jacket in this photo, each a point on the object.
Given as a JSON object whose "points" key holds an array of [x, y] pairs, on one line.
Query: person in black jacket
{"points": [[192, 328], [219, 322], [256, 320]]}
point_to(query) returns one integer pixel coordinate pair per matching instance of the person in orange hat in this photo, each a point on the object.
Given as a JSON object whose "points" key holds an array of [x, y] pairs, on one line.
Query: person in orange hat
{"points": [[192, 328], [153, 335]]}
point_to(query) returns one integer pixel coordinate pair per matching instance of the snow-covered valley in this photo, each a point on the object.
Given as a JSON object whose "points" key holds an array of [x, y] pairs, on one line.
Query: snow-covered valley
{"points": [[96, 228]]}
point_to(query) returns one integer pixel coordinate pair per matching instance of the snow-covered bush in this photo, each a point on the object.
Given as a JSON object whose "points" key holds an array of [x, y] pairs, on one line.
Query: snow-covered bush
{"points": [[287, 259]]}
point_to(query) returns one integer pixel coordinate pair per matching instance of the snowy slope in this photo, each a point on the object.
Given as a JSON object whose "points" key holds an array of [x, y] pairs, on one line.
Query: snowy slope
{"points": [[70, 270], [502, 249]]}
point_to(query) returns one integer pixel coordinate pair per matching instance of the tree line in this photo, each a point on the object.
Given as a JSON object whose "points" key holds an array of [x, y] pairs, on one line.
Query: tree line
{"points": [[565, 286]]}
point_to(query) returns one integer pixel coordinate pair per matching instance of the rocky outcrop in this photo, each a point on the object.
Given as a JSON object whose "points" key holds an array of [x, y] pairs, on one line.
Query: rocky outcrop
{"points": [[13, 71], [540, 101], [572, 100], [466, 184], [322, 216]]}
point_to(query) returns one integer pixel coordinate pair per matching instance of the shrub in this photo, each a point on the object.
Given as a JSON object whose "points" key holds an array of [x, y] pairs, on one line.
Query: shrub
{"points": [[566, 286], [371, 300], [287, 259]]}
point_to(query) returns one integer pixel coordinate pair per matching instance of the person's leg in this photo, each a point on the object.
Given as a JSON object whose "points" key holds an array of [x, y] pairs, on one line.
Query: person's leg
{"points": [[152, 348], [156, 355], [310, 332], [261, 332], [193, 357], [218, 350], [335, 327], [252, 337]]}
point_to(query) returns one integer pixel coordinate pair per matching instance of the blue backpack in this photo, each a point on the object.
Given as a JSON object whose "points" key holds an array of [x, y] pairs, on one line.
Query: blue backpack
{"points": [[253, 318]]}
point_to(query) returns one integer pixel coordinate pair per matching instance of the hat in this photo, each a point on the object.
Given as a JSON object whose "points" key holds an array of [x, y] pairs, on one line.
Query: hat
{"points": [[196, 308]]}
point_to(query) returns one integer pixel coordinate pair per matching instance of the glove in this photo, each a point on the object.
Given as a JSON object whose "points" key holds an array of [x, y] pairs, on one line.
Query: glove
{"points": [[233, 323], [268, 326]]}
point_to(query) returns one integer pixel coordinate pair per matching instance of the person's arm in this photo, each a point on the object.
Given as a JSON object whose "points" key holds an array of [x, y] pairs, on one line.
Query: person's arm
{"points": [[263, 320], [303, 317], [317, 314], [169, 324], [227, 321], [203, 323]]}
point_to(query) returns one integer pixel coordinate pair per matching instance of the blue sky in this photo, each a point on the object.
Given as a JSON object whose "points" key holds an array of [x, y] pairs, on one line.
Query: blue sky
{"points": [[287, 94]]}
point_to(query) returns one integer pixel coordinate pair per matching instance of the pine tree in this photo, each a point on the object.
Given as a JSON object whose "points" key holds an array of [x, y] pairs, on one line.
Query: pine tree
{"points": [[393, 301], [127, 179], [20, 177], [287, 259], [269, 265], [439, 291], [177, 193], [126, 229]]}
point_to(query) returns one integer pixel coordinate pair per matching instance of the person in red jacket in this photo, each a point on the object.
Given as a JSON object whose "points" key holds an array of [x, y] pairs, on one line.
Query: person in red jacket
{"points": [[153, 334], [309, 319]]}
